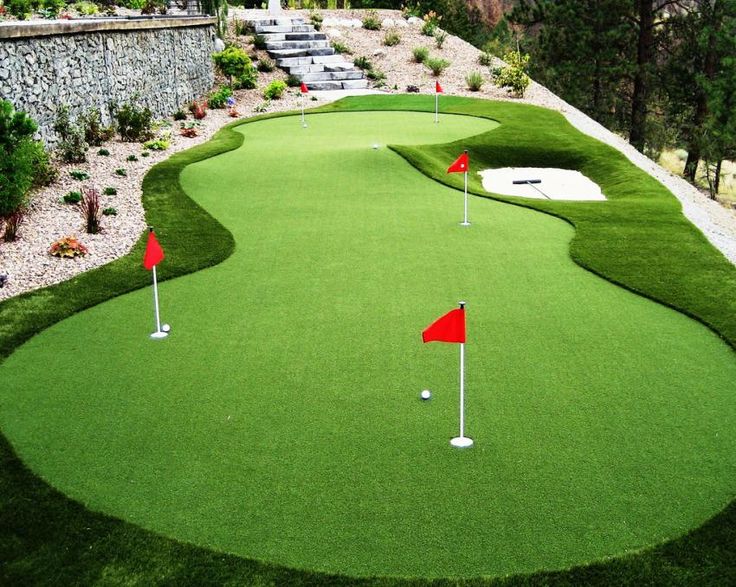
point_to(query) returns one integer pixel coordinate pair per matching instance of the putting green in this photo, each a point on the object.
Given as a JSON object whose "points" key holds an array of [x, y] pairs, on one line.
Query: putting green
{"points": [[281, 420]]}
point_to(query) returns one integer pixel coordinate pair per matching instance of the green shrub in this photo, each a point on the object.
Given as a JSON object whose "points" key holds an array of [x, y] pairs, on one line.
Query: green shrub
{"points": [[233, 62], [95, 133], [134, 122], [315, 18], [160, 144], [474, 80], [131, 158], [103, 153], [242, 27], [73, 197], [439, 38], [371, 21], [78, 174], [485, 58], [436, 65], [180, 115], [363, 63], [110, 191], [72, 146], [133, 4], [20, 9], [110, 211], [293, 81], [341, 48], [420, 54], [248, 80], [513, 76], [121, 172], [44, 171], [262, 107], [431, 22], [219, 98], [391, 39], [259, 42], [376, 75], [85, 8], [274, 90], [145, 154], [266, 65], [52, 8]]}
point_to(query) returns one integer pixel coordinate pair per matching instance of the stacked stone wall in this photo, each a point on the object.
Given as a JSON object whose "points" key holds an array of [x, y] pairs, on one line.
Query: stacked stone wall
{"points": [[161, 67]]}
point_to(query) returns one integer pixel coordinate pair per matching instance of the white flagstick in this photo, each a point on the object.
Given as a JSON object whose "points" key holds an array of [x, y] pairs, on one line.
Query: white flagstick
{"points": [[304, 122], [462, 441], [436, 106], [159, 333]]}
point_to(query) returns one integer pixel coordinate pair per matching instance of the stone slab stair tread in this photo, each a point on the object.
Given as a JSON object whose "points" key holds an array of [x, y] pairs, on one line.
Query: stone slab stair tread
{"points": [[306, 53]]}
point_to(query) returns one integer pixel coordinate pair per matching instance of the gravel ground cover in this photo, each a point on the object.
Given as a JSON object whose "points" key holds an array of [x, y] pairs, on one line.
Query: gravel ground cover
{"points": [[29, 266]]}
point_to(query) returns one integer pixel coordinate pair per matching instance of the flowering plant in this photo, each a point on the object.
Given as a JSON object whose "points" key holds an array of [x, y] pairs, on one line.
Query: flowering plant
{"points": [[69, 246]]}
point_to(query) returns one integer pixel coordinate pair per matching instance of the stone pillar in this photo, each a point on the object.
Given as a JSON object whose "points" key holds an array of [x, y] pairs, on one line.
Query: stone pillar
{"points": [[274, 7]]}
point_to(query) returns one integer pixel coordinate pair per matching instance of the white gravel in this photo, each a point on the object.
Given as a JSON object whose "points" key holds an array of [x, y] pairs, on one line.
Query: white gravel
{"points": [[29, 266]]}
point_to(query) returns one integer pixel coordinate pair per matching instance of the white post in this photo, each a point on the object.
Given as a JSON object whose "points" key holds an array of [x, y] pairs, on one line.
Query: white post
{"points": [[274, 7], [465, 215], [436, 106], [462, 441], [159, 333], [304, 122]]}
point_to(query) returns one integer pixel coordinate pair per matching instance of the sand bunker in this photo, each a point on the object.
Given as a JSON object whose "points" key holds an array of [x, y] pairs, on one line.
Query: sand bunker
{"points": [[555, 184]]}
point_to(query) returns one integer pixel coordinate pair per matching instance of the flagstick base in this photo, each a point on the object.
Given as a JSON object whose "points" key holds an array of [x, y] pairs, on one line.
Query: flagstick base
{"points": [[461, 442], [159, 334], [465, 224]]}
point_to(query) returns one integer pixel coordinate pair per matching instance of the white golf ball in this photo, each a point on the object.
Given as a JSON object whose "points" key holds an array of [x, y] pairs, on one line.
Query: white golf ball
{"points": [[426, 394], [376, 146], [166, 328]]}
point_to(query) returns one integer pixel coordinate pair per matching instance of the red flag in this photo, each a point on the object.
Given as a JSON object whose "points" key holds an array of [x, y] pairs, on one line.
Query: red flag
{"points": [[448, 328], [304, 88], [438, 88], [460, 165], [154, 253]]}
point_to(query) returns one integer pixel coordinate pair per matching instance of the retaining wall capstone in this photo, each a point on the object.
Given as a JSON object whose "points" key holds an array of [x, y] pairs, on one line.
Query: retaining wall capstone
{"points": [[161, 63]]}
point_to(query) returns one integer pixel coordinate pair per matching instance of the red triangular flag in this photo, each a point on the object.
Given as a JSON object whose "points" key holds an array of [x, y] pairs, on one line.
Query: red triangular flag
{"points": [[438, 88], [448, 328], [304, 88], [154, 253], [460, 165]]}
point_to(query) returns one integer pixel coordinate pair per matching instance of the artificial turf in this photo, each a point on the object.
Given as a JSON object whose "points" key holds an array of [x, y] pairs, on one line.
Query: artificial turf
{"points": [[596, 411]]}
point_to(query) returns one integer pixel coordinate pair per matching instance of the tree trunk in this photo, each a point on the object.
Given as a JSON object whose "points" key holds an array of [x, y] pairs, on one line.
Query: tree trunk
{"points": [[717, 181], [644, 56]]}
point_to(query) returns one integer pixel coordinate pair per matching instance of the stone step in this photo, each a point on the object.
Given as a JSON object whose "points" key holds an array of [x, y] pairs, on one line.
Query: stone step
{"points": [[303, 28], [301, 69], [306, 36], [329, 58], [285, 53], [345, 66], [290, 22], [359, 84], [278, 45], [294, 61], [331, 76]]}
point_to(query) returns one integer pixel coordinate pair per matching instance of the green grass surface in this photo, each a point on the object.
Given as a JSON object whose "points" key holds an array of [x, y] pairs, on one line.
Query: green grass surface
{"points": [[47, 539], [281, 419]]}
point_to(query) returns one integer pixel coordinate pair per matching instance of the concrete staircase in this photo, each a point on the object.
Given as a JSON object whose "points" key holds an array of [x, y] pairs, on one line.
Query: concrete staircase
{"points": [[300, 50]]}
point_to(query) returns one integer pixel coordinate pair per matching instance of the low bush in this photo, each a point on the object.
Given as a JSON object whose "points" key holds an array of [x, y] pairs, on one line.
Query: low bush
{"points": [[485, 58], [180, 115], [474, 80], [160, 144], [44, 171], [72, 197], [20, 9], [110, 211], [363, 63], [437, 65], [131, 158], [341, 48], [376, 75], [91, 212], [420, 54], [12, 224], [293, 81], [274, 90], [232, 62], [110, 191], [85, 8], [371, 21], [103, 153], [315, 18], [121, 172], [391, 39], [95, 133], [69, 246], [248, 80], [219, 98], [266, 65], [52, 8], [78, 174], [259, 42], [134, 122], [72, 146], [513, 75]]}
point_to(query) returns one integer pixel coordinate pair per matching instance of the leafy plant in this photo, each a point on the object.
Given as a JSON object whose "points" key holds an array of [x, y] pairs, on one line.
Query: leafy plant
{"points": [[293, 81], [420, 54], [145, 154], [85, 8], [110, 191], [248, 80], [440, 37], [78, 174], [315, 18], [412, 89], [437, 65], [73, 197], [20, 9], [376, 75], [219, 98], [69, 246], [363, 63], [371, 21], [180, 115], [474, 80], [259, 42], [274, 90], [262, 107], [189, 129], [513, 75], [103, 153], [134, 122], [266, 65], [391, 39], [95, 133], [485, 58], [242, 27], [431, 23], [52, 8], [110, 211], [44, 171], [341, 48], [121, 172], [72, 146], [131, 158], [160, 144], [91, 212], [12, 224]]}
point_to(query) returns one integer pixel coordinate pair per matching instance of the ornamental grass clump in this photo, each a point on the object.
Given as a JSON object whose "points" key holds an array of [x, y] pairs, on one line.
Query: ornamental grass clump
{"points": [[68, 247], [91, 211], [420, 54], [437, 65], [371, 21], [439, 38], [391, 39], [474, 80], [363, 63], [12, 223]]}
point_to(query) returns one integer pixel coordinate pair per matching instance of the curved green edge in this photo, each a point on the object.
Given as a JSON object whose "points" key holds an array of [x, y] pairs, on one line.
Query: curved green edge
{"points": [[50, 539]]}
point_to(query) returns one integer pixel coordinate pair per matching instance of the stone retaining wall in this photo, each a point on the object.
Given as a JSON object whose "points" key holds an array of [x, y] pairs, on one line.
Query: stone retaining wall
{"points": [[95, 63]]}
